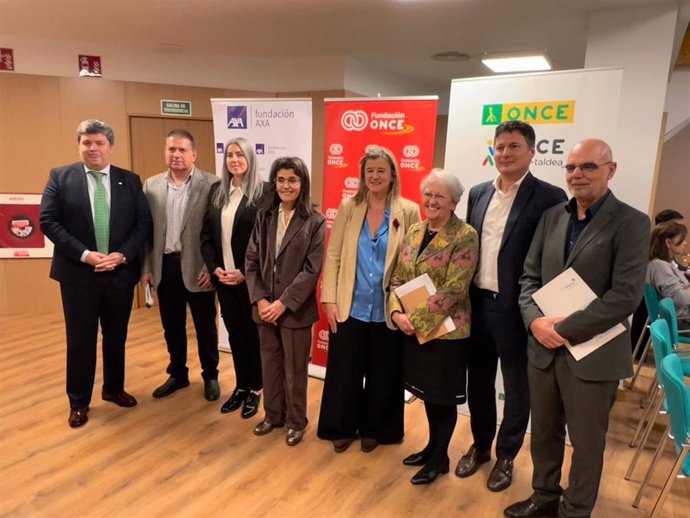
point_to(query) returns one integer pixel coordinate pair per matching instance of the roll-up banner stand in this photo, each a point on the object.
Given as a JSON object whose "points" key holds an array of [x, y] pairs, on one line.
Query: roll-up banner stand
{"points": [[563, 107], [275, 127], [406, 126]]}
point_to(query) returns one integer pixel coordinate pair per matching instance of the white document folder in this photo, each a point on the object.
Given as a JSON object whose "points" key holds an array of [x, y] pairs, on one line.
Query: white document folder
{"points": [[564, 295]]}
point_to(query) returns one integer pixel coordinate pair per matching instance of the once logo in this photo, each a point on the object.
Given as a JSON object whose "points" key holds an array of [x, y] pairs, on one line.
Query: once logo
{"points": [[335, 149], [323, 334], [354, 120], [411, 151], [351, 182], [331, 213]]}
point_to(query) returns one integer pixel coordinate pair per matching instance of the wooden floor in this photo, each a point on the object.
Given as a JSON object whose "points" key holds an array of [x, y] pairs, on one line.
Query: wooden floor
{"points": [[179, 457]]}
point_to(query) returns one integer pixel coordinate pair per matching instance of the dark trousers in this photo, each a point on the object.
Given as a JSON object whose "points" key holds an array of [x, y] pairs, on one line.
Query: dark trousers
{"points": [[84, 307], [441, 419], [363, 390], [173, 298], [236, 311], [559, 398], [497, 332], [284, 363]]}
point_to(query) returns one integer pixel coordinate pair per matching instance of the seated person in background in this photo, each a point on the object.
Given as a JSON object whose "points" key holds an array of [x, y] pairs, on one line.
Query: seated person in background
{"points": [[668, 241]]}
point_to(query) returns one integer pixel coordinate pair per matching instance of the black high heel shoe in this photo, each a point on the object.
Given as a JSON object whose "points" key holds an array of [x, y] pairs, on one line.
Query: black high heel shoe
{"points": [[427, 475], [417, 459]]}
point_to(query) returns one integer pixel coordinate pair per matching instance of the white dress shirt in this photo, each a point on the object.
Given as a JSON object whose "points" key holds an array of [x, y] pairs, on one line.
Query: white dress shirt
{"points": [[227, 220]]}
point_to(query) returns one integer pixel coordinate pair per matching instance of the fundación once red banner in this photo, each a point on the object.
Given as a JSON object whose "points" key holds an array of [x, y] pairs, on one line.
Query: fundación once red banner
{"points": [[405, 125]]}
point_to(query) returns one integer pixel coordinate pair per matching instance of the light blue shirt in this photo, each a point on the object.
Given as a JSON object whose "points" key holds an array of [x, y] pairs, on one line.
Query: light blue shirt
{"points": [[368, 297]]}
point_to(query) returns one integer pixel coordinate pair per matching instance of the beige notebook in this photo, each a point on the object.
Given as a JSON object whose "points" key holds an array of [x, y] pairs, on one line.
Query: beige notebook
{"points": [[417, 291]]}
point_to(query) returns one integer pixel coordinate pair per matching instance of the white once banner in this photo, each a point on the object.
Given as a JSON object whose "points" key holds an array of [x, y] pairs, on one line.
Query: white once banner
{"points": [[275, 127], [563, 107]]}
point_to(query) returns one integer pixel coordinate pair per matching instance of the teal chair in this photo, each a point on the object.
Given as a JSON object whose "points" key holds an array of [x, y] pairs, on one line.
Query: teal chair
{"points": [[651, 300], [678, 404], [667, 311]]}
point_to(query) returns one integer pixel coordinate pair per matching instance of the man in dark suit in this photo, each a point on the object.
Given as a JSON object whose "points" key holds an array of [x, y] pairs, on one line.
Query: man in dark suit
{"points": [[173, 264], [605, 241], [98, 219], [505, 212]]}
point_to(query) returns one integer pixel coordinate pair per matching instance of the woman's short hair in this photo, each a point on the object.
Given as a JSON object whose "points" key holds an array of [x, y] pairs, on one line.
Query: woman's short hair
{"points": [[375, 152], [303, 205], [670, 230], [252, 186], [448, 180]]}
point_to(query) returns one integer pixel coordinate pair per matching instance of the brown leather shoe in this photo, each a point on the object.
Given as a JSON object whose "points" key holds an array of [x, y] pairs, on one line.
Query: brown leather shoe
{"points": [[470, 462], [340, 445], [530, 509], [122, 399], [501, 475], [293, 437], [78, 416], [368, 444], [265, 427]]}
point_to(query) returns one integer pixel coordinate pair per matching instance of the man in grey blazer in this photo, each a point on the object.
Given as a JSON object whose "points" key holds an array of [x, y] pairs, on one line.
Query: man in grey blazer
{"points": [[173, 264], [605, 241]]}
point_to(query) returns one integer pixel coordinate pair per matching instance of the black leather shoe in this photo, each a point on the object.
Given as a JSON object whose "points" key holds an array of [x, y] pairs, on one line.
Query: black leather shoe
{"points": [[501, 475], [251, 405], [122, 399], [211, 390], [427, 475], [265, 427], [293, 437], [235, 401], [529, 509], [470, 462], [78, 416], [170, 386], [417, 459]]}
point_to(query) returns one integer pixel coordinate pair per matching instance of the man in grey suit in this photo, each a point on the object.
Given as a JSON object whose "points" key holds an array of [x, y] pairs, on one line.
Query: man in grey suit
{"points": [[605, 241], [173, 264]]}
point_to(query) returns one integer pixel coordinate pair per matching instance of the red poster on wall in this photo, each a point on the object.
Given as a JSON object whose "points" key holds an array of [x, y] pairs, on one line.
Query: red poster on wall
{"points": [[406, 126]]}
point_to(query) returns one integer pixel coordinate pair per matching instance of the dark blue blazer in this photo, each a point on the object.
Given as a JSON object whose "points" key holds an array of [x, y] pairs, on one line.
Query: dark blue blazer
{"points": [[533, 197], [66, 220]]}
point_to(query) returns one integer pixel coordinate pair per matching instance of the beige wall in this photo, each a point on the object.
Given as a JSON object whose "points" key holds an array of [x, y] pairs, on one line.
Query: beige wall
{"points": [[38, 119], [673, 187]]}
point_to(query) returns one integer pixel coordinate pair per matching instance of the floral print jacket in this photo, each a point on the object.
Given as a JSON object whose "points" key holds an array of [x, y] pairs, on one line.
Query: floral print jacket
{"points": [[450, 260]]}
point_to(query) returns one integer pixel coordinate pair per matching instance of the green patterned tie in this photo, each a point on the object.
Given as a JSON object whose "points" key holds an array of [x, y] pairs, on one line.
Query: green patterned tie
{"points": [[101, 212]]}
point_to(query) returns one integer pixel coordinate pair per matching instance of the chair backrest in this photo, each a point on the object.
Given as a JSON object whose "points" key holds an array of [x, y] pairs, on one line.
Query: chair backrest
{"points": [[677, 402], [661, 341], [667, 311], [651, 300]]}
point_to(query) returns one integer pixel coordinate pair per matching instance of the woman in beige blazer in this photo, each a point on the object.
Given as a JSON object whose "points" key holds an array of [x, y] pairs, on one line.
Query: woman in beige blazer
{"points": [[360, 258]]}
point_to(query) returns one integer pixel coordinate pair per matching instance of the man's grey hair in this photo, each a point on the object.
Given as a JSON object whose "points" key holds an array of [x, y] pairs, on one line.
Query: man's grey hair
{"points": [[94, 126]]}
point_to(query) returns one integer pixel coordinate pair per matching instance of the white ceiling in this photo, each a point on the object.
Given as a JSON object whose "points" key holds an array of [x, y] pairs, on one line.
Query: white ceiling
{"points": [[395, 36]]}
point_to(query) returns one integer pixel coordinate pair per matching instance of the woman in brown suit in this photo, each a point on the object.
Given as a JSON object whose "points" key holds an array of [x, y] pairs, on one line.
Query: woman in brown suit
{"points": [[282, 289]]}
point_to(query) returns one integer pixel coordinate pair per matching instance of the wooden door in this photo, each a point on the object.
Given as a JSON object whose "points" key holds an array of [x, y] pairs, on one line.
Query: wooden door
{"points": [[148, 144]]}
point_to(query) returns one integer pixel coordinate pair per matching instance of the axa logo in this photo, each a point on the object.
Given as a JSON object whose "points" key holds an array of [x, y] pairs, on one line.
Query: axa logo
{"points": [[489, 158], [411, 151], [535, 112], [237, 117], [354, 120], [335, 149]]}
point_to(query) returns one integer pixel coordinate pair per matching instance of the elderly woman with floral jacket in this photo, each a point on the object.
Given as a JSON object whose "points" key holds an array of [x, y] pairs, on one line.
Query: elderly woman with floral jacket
{"points": [[445, 248]]}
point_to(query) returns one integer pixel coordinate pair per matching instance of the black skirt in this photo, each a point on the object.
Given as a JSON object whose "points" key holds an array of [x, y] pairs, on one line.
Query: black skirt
{"points": [[437, 370]]}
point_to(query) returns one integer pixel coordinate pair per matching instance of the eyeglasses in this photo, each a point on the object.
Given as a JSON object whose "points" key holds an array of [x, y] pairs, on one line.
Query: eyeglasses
{"points": [[587, 167], [291, 180], [433, 196]]}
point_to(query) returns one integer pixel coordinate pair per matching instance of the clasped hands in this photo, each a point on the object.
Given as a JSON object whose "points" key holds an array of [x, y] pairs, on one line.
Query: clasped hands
{"points": [[270, 312], [544, 330], [104, 263], [229, 277]]}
